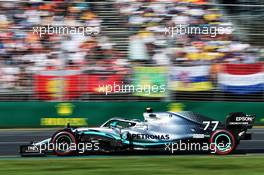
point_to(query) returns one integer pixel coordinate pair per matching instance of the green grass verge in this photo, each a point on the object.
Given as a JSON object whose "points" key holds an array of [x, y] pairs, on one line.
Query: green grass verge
{"points": [[153, 165]]}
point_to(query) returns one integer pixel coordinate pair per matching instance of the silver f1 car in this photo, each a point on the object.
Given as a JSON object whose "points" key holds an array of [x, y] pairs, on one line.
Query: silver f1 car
{"points": [[162, 131]]}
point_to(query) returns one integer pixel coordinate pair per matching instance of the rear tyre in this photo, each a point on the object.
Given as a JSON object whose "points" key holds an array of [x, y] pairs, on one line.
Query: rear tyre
{"points": [[64, 143], [222, 142]]}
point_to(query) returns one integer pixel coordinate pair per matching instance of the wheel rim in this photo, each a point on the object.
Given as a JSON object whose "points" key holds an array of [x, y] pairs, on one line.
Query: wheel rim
{"points": [[65, 138], [223, 142], [64, 143]]}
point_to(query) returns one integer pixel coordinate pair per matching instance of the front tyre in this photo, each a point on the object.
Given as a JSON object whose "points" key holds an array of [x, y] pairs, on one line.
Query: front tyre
{"points": [[64, 143], [223, 142]]}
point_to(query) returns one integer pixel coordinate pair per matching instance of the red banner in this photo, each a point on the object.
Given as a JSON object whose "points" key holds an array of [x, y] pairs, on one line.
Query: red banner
{"points": [[53, 87], [66, 85]]}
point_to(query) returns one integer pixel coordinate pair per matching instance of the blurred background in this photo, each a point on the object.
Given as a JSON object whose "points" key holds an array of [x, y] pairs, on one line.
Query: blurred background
{"points": [[131, 48]]}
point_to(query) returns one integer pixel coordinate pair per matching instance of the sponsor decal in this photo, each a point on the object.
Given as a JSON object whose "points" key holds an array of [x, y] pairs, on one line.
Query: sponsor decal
{"points": [[64, 109], [244, 119], [176, 107], [32, 148], [198, 136], [150, 136], [63, 121]]}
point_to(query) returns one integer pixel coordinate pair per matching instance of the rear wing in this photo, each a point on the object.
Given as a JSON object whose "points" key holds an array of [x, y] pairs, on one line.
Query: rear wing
{"points": [[239, 121]]}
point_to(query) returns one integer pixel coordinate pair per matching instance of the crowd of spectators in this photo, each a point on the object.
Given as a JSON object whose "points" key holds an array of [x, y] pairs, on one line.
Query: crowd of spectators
{"points": [[24, 53], [149, 21]]}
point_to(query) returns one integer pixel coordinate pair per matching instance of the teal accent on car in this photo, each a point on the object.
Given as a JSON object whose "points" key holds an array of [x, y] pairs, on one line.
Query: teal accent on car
{"points": [[147, 143], [117, 137]]}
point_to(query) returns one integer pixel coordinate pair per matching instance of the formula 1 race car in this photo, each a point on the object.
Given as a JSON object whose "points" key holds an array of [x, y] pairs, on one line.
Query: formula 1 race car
{"points": [[167, 132]]}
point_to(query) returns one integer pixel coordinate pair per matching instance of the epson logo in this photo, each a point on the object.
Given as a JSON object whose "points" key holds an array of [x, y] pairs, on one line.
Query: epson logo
{"points": [[244, 119]]}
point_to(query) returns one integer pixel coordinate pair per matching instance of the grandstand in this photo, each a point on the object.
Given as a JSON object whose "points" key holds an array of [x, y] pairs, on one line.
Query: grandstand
{"points": [[131, 48]]}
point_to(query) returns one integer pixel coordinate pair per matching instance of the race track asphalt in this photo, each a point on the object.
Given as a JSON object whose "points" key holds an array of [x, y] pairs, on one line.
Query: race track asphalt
{"points": [[10, 139]]}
